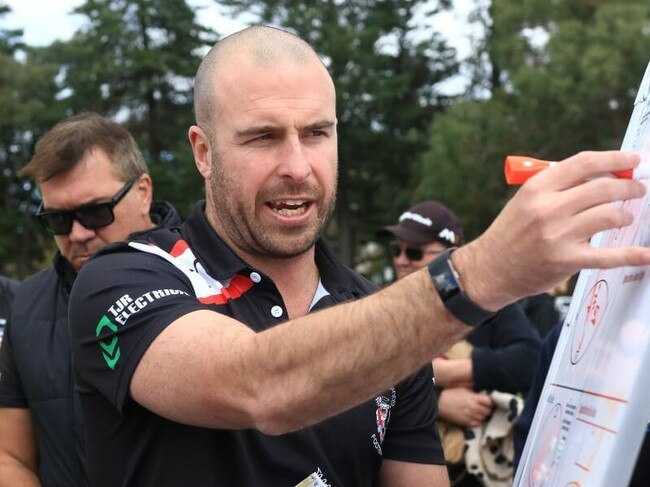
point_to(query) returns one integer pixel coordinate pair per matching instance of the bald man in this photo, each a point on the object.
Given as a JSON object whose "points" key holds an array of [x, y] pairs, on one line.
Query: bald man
{"points": [[238, 350]]}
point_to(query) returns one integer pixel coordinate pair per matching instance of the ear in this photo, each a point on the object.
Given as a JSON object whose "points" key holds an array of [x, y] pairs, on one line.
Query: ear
{"points": [[144, 189], [201, 149]]}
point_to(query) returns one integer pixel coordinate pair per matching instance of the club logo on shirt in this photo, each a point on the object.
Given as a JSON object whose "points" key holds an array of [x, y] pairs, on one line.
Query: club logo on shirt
{"points": [[120, 312], [382, 417], [126, 306], [110, 351]]}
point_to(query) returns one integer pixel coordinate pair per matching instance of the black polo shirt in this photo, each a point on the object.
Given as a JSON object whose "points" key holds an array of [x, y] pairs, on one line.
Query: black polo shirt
{"points": [[126, 295]]}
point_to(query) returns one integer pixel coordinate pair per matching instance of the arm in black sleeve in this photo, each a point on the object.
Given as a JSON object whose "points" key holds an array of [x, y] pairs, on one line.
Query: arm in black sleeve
{"points": [[505, 352], [120, 302], [412, 434]]}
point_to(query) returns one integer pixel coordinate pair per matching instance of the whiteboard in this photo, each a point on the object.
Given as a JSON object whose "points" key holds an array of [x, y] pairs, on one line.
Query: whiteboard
{"points": [[592, 414]]}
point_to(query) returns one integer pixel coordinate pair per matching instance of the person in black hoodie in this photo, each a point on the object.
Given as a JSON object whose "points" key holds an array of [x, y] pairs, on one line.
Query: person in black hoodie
{"points": [[95, 191]]}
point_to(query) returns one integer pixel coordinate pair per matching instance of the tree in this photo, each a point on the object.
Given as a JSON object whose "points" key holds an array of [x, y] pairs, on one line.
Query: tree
{"points": [[28, 107], [386, 71], [549, 80], [10, 39], [135, 61]]}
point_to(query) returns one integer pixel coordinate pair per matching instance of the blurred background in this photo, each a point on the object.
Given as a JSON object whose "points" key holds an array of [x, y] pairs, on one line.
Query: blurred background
{"points": [[431, 96]]}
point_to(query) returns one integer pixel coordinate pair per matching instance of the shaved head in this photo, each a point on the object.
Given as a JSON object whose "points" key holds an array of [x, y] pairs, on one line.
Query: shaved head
{"points": [[262, 46], [265, 142]]}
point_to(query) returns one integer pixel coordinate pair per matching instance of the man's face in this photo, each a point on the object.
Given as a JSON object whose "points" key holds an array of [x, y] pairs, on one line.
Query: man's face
{"points": [[92, 181], [404, 265], [274, 158]]}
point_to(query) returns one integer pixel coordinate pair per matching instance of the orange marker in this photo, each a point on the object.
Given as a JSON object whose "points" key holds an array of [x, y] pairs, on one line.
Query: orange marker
{"points": [[519, 168]]}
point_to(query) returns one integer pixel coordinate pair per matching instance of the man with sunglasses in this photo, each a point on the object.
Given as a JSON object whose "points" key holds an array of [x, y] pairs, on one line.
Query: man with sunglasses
{"points": [[238, 350], [502, 353], [95, 191]]}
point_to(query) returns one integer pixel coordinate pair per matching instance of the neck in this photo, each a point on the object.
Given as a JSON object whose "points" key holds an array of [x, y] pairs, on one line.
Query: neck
{"points": [[296, 279]]}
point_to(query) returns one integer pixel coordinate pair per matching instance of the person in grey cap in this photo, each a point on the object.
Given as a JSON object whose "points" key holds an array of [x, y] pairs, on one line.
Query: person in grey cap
{"points": [[499, 355]]}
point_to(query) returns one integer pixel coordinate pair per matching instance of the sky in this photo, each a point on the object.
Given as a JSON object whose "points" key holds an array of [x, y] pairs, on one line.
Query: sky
{"points": [[44, 21]]}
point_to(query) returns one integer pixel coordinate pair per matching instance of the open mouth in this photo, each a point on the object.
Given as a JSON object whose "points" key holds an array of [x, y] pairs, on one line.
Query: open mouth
{"points": [[289, 208]]}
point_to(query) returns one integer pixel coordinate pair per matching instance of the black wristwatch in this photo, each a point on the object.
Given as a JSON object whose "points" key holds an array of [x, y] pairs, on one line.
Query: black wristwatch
{"points": [[445, 280]]}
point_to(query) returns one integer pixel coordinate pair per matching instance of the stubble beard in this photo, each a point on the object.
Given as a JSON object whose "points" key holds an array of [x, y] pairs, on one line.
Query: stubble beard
{"points": [[242, 229]]}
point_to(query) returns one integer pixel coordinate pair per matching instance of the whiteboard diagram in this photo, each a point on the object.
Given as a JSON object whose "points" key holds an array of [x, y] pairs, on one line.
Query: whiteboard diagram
{"points": [[590, 312], [592, 414]]}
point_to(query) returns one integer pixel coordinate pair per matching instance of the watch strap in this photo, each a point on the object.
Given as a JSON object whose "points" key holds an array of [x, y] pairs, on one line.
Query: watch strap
{"points": [[446, 281]]}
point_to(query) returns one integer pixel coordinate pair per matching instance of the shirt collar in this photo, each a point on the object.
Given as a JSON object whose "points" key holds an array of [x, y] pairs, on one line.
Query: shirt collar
{"points": [[222, 262]]}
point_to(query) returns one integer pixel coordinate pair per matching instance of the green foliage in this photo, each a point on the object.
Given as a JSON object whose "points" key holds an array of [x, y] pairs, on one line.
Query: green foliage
{"points": [[10, 39], [547, 79], [177, 181], [133, 60], [545, 99], [136, 58], [462, 167], [27, 109]]}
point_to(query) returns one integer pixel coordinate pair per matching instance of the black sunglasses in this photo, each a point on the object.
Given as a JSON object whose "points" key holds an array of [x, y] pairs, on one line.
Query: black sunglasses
{"points": [[412, 253], [92, 216]]}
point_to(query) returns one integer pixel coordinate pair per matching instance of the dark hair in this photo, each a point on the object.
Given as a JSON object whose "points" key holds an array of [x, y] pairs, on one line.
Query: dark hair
{"points": [[61, 149]]}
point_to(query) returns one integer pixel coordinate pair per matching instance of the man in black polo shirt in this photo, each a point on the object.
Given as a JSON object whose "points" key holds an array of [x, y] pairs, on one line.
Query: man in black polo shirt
{"points": [[205, 356]]}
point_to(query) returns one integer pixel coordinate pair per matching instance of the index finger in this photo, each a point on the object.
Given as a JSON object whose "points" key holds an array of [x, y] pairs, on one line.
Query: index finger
{"points": [[583, 166]]}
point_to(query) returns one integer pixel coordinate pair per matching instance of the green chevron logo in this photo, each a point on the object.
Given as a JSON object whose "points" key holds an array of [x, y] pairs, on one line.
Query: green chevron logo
{"points": [[110, 351]]}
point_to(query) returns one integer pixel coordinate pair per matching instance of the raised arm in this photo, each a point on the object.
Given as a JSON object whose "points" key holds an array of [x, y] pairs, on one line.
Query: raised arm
{"points": [[297, 373], [209, 370]]}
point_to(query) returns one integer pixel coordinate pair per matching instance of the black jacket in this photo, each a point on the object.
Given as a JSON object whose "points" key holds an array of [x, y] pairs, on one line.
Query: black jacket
{"points": [[505, 351], [35, 362]]}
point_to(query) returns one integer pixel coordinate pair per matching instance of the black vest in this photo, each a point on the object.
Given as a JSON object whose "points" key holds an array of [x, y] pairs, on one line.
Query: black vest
{"points": [[38, 332], [41, 353]]}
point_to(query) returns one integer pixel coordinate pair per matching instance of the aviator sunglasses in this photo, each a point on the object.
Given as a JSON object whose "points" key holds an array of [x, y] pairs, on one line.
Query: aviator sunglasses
{"points": [[92, 216], [412, 253]]}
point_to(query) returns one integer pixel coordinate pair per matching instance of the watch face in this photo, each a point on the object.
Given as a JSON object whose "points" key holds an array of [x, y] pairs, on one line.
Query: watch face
{"points": [[445, 283], [443, 277]]}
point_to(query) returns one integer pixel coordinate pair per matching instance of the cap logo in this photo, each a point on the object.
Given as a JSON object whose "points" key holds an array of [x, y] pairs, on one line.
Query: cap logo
{"points": [[447, 234], [407, 215]]}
